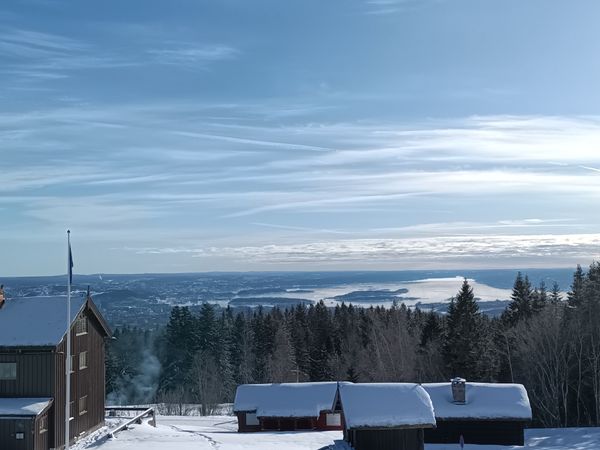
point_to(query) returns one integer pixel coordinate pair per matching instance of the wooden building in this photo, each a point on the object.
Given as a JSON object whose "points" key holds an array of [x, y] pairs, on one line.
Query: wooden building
{"points": [[385, 416], [482, 413], [32, 371], [287, 407]]}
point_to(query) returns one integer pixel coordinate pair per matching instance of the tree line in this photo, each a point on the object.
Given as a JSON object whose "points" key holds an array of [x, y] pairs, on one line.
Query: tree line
{"points": [[544, 340]]}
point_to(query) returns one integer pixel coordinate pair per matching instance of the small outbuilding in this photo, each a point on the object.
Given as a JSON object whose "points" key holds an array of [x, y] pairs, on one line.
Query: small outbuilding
{"points": [[385, 416], [24, 423], [287, 407], [482, 413]]}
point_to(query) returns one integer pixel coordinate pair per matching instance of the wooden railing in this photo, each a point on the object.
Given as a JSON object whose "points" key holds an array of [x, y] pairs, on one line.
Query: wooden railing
{"points": [[137, 418]]}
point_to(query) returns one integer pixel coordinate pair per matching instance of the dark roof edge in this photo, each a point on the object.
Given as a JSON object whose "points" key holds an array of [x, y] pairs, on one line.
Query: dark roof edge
{"points": [[92, 307]]}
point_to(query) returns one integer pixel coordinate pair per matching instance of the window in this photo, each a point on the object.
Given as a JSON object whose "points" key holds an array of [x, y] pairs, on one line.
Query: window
{"points": [[334, 420], [8, 371], [83, 405], [73, 363], [43, 424], [72, 411], [83, 360], [81, 326], [251, 419]]}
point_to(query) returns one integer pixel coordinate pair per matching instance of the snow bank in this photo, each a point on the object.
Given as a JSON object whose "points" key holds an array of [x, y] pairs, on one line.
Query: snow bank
{"points": [[484, 401], [36, 321], [285, 399], [25, 407], [386, 405]]}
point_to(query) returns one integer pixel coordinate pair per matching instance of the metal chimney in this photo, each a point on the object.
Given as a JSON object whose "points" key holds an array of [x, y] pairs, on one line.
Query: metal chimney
{"points": [[459, 393]]}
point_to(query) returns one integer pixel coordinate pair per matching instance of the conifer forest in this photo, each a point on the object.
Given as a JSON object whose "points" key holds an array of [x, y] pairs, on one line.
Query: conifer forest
{"points": [[547, 339]]}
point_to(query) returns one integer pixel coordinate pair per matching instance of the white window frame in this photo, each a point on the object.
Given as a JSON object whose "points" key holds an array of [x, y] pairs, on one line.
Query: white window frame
{"points": [[83, 410], [81, 326], [83, 360], [44, 424]]}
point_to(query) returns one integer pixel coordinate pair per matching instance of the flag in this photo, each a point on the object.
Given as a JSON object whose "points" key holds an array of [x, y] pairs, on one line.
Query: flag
{"points": [[70, 264]]}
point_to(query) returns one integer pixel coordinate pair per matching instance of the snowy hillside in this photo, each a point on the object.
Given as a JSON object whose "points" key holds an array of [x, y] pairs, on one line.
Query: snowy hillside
{"points": [[219, 433]]}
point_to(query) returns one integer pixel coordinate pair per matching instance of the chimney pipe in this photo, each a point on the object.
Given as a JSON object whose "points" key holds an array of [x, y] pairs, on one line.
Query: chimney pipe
{"points": [[1, 296], [459, 394]]}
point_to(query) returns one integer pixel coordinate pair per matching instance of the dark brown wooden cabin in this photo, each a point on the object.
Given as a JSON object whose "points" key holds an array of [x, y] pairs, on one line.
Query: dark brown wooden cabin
{"points": [[32, 366], [482, 413], [385, 416], [287, 407], [481, 432]]}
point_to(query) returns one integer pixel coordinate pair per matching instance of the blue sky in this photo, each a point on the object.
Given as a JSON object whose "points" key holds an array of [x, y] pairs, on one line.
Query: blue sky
{"points": [[298, 135]]}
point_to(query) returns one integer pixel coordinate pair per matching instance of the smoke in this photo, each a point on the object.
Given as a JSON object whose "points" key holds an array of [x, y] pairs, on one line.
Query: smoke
{"points": [[139, 388]]}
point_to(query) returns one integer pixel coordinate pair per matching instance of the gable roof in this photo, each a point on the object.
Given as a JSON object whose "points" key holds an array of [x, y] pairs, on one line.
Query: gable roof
{"points": [[386, 405], [23, 407], [40, 321], [285, 399], [484, 401]]}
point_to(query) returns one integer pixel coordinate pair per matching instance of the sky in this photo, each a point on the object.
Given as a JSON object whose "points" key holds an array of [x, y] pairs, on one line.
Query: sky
{"points": [[236, 135]]}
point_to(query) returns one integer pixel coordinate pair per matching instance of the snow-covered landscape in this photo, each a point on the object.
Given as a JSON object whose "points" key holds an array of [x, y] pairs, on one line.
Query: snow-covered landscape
{"points": [[220, 433]]}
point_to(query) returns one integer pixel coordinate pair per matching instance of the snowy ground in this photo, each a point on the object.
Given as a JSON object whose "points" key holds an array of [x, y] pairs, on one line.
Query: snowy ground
{"points": [[219, 433]]}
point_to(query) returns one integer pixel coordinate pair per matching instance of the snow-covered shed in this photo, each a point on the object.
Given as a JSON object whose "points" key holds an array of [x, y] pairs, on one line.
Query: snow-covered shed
{"points": [[32, 368], [483, 413], [385, 416], [287, 406]]}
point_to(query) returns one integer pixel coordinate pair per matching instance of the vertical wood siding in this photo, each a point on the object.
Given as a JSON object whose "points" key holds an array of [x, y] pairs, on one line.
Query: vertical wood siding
{"points": [[391, 439], [477, 432], [8, 429], [88, 382], [32, 374]]}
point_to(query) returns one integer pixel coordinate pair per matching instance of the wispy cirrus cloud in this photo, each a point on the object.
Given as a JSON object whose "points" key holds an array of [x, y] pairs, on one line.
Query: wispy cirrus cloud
{"points": [[385, 7], [297, 185], [193, 55]]}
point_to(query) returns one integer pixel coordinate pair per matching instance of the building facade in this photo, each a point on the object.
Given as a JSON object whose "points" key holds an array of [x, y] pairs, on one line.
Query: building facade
{"points": [[478, 413], [287, 407], [33, 371], [385, 416]]}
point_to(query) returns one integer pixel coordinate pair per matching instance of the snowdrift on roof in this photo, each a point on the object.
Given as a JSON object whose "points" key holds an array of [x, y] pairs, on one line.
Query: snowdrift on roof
{"points": [[23, 407], [484, 401], [285, 399], [36, 321], [386, 405]]}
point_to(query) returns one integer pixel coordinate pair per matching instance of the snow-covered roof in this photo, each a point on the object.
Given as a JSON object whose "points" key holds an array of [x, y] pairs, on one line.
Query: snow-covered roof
{"points": [[24, 407], [285, 399], [483, 401], [386, 405], [36, 321]]}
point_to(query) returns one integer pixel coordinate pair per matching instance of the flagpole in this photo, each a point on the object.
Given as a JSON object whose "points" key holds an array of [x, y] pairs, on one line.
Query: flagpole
{"points": [[68, 352]]}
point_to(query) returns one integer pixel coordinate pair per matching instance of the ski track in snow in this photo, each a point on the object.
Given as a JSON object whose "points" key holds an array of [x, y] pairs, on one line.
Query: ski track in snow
{"points": [[220, 433], [210, 440]]}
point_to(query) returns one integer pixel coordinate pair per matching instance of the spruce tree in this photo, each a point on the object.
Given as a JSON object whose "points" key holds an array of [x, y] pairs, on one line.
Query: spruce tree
{"points": [[521, 305], [555, 295], [575, 296], [539, 298], [461, 350]]}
